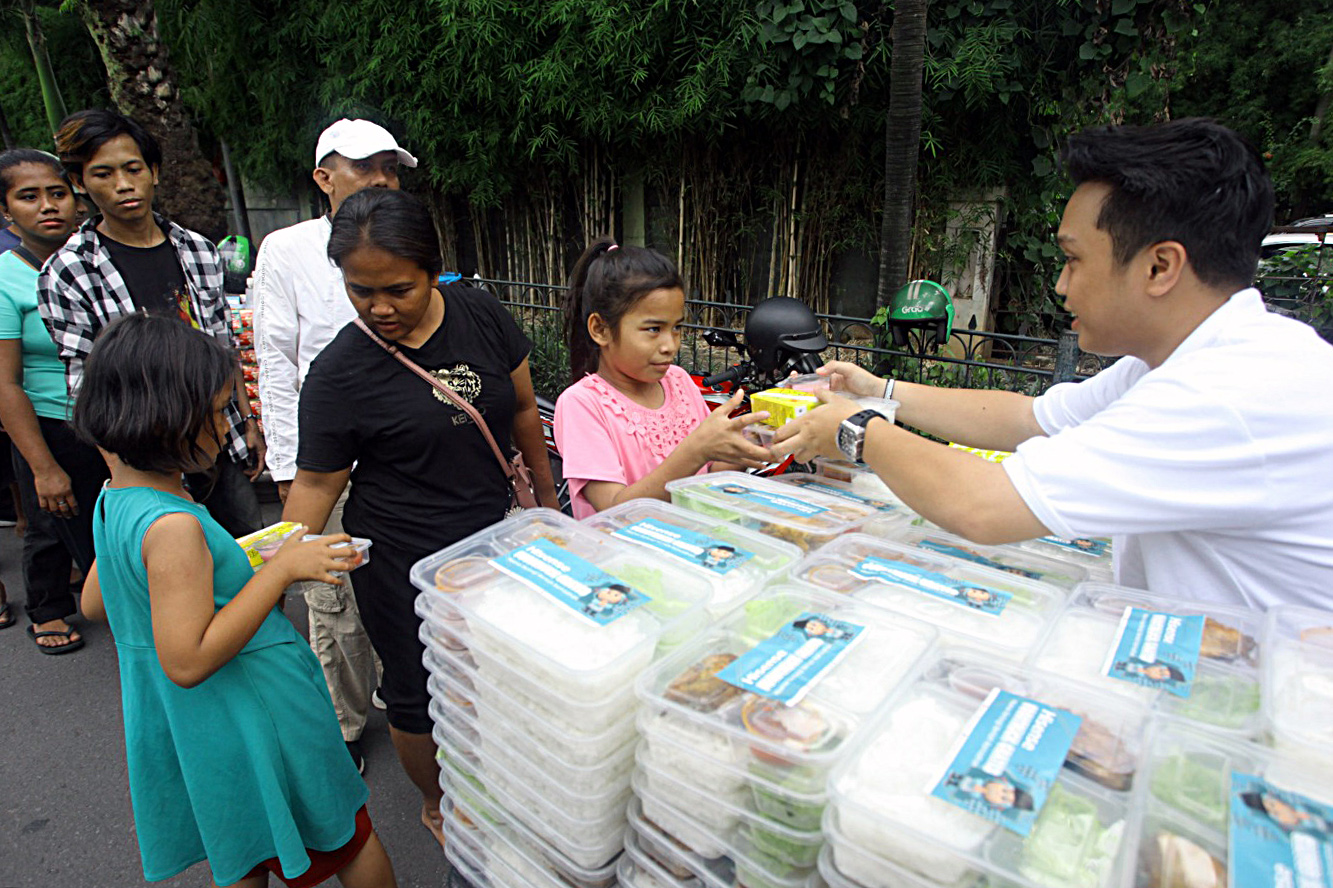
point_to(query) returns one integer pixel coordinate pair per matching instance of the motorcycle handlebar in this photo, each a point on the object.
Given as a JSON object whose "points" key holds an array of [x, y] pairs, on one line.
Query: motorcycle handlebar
{"points": [[731, 374]]}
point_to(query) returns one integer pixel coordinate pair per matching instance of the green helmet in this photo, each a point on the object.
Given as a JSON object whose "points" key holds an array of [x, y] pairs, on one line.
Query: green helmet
{"points": [[238, 260], [921, 305]]}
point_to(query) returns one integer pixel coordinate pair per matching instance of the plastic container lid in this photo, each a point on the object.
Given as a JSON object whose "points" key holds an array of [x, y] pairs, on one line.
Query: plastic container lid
{"points": [[1188, 775], [1010, 559], [1299, 680], [741, 564], [1010, 634], [892, 515], [863, 480], [881, 814], [546, 640], [647, 839], [809, 521], [1226, 693], [1092, 554], [800, 742], [639, 872], [571, 731], [588, 843]]}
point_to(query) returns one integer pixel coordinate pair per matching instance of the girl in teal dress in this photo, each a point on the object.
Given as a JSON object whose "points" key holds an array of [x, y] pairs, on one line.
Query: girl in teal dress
{"points": [[235, 756]]}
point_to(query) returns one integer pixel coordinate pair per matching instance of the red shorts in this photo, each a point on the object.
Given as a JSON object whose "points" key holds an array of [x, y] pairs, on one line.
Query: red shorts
{"points": [[323, 864]]}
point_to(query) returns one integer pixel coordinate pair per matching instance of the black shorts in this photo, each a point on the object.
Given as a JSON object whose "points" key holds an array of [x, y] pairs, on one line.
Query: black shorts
{"points": [[386, 597]]}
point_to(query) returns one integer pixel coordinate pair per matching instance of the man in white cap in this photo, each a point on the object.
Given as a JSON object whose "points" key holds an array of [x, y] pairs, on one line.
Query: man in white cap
{"points": [[300, 303]]}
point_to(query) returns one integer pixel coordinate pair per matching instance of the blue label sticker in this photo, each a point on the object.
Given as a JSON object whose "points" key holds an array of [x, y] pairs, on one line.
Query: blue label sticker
{"points": [[975, 558], [808, 482], [1156, 650], [1277, 838], [1007, 759], [1094, 547], [764, 498], [583, 587], [787, 665], [900, 573], [716, 555]]}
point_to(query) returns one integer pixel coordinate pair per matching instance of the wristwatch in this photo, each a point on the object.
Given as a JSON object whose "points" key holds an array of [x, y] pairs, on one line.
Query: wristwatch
{"points": [[852, 433]]}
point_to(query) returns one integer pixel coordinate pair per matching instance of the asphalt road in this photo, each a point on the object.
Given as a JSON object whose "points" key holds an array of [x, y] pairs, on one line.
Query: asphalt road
{"points": [[65, 817]]}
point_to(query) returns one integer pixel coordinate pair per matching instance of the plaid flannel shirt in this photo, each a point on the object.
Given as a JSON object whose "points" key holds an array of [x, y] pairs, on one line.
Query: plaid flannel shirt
{"points": [[80, 291]]}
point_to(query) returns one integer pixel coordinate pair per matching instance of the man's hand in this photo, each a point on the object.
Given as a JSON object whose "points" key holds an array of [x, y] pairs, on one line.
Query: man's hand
{"points": [[55, 494], [284, 488], [254, 442], [815, 433]]}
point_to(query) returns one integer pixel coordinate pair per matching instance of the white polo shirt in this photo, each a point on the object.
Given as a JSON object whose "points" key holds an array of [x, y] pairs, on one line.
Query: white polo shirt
{"points": [[300, 304], [1213, 472]]}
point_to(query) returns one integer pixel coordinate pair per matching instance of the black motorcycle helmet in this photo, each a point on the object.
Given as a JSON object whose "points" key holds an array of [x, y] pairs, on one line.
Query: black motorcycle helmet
{"points": [[779, 329]]}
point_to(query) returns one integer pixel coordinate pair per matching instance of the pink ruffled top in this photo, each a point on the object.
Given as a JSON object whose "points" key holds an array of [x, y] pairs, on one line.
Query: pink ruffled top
{"points": [[604, 436]]}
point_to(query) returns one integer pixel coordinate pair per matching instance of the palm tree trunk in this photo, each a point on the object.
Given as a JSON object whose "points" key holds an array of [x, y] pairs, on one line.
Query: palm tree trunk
{"points": [[143, 85], [901, 145], [46, 78]]}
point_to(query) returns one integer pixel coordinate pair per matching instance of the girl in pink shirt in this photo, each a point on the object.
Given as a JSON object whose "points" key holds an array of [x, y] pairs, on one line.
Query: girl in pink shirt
{"points": [[633, 420]]}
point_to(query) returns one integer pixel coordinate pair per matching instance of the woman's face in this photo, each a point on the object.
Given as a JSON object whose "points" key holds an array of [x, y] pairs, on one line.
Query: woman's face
{"points": [[40, 205], [391, 294]]}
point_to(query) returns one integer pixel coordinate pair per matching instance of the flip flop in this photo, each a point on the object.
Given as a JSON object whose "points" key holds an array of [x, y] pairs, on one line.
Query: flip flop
{"points": [[71, 647], [7, 619]]}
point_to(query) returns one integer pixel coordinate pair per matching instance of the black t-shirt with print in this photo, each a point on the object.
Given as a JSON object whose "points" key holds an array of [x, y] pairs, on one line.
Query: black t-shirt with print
{"points": [[154, 277], [424, 475]]}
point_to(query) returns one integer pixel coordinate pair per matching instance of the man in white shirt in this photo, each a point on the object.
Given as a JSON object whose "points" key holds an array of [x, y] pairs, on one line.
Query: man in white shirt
{"points": [[300, 304], [1207, 451]]}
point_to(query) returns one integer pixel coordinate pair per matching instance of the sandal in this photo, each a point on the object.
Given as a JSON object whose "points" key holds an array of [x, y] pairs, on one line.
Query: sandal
{"points": [[7, 617], [71, 645]]}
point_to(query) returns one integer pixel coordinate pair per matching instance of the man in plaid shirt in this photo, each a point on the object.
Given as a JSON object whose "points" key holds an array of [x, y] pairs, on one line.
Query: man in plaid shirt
{"points": [[130, 259]]}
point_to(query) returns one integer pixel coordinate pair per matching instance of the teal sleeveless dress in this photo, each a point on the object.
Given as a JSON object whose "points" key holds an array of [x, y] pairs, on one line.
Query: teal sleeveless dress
{"points": [[246, 766]]}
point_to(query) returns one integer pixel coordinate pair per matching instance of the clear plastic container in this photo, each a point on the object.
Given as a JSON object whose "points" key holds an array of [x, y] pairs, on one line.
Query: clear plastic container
{"points": [[1227, 689], [767, 558], [360, 544], [892, 514], [608, 785], [686, 704], [1010, 634], [1186, 808], [1092, 554], [863, 480], [541, 865], [809, 521], [648, 839], [1299, 681], [1009, 559], [545, 640], [882, 822], [639, 871], [571, 732], [587, 843]]}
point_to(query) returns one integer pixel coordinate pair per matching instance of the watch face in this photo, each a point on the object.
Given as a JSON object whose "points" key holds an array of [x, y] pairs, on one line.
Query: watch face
{"points": [[847, 441]]}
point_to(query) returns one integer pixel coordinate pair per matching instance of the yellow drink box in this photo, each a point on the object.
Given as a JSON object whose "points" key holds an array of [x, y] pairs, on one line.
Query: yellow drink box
{"points": [[783, 405]]}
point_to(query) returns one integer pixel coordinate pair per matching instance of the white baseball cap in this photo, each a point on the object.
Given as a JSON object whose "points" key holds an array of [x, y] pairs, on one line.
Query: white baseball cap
{"points": [[355, 139]]}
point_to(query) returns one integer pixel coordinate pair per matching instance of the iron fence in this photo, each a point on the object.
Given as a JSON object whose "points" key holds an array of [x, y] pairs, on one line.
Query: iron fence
{"points": [[970, 358]]}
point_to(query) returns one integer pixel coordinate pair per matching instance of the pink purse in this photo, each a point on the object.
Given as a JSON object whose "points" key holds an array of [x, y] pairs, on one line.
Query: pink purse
{"points": [[523, 494]]}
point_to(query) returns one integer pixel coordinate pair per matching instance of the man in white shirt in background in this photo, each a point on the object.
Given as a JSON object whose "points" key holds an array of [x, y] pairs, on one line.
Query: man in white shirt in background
{"points": [[1207, 451], [300, 304]]}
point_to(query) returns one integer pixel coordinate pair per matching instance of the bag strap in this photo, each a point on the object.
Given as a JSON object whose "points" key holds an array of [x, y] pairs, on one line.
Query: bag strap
{"points": [[449, 393], [27, 256]]}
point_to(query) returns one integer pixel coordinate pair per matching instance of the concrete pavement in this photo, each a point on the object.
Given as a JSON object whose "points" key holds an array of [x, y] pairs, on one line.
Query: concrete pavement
{"points": [[65, 816]]}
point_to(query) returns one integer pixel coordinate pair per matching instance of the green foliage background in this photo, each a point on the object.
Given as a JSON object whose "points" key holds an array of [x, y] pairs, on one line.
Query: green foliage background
{"points": [[506, 101]]}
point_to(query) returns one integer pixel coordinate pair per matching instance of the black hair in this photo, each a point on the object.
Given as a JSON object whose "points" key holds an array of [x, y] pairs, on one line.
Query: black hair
{"points": [[393, 221], [607, 281], [148, 389], [1192, 180], [83, 133], [1022, 799], [18, 156]]}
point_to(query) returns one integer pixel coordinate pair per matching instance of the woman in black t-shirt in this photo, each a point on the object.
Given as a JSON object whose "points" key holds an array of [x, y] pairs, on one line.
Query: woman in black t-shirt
{"points": [[423, 475]]}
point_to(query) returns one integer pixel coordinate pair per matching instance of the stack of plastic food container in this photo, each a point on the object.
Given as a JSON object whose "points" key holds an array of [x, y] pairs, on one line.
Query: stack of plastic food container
{"points": [[1299, 683], [535, 630], [894, 514], [978, 606], [734, 561], [731, 783], [807, 518], [859, 478], [1009, 559], [886, 829], [1226, 692], [1182, 841]]}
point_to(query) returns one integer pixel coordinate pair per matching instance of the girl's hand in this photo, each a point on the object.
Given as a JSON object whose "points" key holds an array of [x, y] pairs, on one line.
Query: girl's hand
{"points": [[55, 494], [720, 437], [315, 559], [846, 377]]}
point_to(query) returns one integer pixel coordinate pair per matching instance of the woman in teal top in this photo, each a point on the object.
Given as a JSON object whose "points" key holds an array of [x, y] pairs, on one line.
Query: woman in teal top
{"points": [[58, 475], [235, 754]]}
